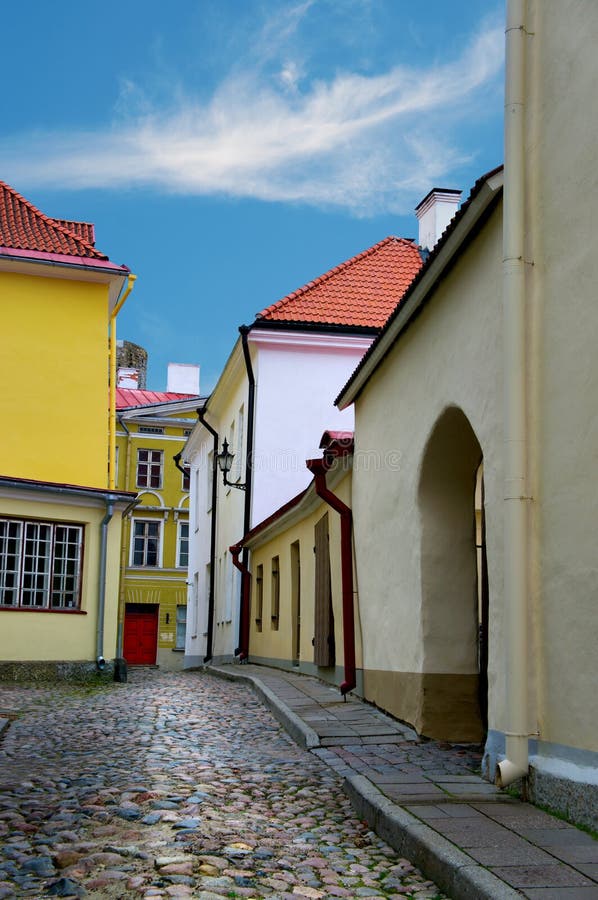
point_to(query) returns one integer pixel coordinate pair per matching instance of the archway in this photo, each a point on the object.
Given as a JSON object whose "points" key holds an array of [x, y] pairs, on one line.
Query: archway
{"points": [[453, 582]]}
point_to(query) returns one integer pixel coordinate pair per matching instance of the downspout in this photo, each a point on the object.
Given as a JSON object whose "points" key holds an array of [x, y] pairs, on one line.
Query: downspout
{"points": [[516, 552], [112, 385], [210, 637], [318, 468], [245, 590], [100, 661], [242, 650]]}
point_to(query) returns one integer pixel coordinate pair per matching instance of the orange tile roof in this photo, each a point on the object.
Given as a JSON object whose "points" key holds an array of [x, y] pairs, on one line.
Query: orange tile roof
{"points": [[128, 397], [361, 292], [24, 227]]}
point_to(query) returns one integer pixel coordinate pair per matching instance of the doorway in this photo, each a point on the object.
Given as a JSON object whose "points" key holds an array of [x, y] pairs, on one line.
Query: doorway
{"points": [[141, 634]]}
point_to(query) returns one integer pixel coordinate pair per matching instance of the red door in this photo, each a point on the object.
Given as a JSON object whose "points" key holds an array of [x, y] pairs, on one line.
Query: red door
{"points": [[140, 634]]}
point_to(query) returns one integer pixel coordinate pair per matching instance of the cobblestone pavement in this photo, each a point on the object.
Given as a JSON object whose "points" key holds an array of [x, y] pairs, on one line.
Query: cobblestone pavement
{"points": [[176, 785]]}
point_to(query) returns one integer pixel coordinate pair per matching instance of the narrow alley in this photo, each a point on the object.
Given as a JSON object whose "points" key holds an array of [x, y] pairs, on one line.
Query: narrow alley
{"points": [[176, 785]]}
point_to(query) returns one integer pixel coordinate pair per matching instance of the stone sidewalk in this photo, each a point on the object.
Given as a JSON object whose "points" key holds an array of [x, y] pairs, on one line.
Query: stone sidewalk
{"points": [[426, 800]]}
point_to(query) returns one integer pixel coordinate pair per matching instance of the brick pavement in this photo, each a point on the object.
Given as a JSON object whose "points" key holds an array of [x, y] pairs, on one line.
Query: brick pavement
{"points": [[437, 788]]}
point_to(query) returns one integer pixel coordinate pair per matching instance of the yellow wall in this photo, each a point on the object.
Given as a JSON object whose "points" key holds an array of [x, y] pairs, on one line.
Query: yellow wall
{"points": [[272, 644], [165, 584], [54, 379], [44, 636]]}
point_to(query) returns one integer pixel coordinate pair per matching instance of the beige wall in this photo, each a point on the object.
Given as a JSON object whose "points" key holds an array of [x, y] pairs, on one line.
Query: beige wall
{"points": [[563, 190], [449, 357], [276, 644], [65, 636]]}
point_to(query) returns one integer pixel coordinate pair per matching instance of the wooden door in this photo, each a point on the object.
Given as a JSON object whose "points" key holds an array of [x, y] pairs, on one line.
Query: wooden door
{"points": [[140, 634], [324, 647]]}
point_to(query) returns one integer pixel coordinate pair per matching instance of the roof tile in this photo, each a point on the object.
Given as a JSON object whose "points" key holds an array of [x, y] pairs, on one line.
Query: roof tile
{"points": [[128, 397], [361, 292], [24, 227]]}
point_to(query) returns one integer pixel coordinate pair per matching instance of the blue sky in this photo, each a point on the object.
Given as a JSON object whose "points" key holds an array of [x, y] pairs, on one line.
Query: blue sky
{"points": [[228, 151]]}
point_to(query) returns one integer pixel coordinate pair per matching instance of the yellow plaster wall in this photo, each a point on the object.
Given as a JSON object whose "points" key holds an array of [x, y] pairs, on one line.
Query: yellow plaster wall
{"points": [[277, 644], [54, 379], [33, 635]]}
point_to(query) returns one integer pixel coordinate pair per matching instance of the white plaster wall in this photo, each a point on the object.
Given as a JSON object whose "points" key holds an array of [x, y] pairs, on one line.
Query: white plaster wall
{"points": [[298, 377], [450, 356], [563, 179]]}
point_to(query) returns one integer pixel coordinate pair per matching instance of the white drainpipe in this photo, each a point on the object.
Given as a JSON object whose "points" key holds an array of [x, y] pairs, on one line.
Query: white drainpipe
{"points": [[516, 495]]}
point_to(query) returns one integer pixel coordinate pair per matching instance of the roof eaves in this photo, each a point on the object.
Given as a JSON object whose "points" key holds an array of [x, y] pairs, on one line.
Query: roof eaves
{"points": [[452, 242]]}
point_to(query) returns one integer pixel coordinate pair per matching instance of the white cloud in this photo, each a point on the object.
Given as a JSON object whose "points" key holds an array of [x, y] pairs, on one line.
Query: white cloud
{"points": [[354, 141]]}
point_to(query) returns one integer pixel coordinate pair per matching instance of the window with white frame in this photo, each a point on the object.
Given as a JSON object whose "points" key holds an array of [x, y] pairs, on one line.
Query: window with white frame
{"points": [[239, 447], [210, 475], [145, 546], [182, 553], [186, 485], [181, 626], [149, 468], [40, 564]]}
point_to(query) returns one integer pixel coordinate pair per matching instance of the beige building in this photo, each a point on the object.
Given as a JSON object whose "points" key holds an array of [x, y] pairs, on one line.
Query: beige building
{"points": [[303, 601], [491, 356]]}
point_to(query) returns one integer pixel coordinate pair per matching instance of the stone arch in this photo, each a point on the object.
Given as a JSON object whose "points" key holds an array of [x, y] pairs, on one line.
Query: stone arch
{"points": [[450, 620]]}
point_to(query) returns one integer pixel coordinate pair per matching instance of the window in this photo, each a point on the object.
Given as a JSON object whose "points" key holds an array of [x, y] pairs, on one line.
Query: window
{"points": [[182, 556], [259, 596], [239, 447], [210, 475], [150, 429], [149, 468], [146, 543], [40, 564], [181, 627], [186, 478], [275, 593]]}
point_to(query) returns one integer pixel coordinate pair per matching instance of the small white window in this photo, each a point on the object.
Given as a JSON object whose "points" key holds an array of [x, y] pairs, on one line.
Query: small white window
{"points": [[149, 468], [182, 556], [181, 627]]}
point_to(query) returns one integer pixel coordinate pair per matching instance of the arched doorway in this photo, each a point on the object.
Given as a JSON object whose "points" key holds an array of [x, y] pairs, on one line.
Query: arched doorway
{"points": [[454, 602]]}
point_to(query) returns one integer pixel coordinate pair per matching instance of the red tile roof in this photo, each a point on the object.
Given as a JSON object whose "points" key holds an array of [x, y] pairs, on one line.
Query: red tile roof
{"points": [[128, 397], [24, 227], [361, 292]]}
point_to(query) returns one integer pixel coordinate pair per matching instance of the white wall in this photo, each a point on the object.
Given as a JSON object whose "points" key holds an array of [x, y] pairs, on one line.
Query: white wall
{"points": [[298, 377]]}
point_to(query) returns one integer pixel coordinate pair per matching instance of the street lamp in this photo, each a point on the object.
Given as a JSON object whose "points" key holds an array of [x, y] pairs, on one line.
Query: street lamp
{"points": [[225, 461]]}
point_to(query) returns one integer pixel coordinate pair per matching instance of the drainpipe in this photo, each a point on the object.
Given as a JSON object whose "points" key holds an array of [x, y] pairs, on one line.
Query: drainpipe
{"points": [[245, 593], [112, 397], [100, 661], [516, 496], [242, 651], [318, 468], [210, 638]]}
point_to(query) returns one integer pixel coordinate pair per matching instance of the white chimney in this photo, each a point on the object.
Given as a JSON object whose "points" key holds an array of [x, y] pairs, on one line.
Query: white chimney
{"points": [[434, 214], [183, 378]]}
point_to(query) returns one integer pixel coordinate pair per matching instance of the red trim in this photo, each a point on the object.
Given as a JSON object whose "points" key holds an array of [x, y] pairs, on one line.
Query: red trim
{"points": [[318, 468], [27, 609]]}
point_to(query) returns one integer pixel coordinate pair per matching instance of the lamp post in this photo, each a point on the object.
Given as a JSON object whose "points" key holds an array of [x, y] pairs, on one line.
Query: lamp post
{"points": [[225, 461]]}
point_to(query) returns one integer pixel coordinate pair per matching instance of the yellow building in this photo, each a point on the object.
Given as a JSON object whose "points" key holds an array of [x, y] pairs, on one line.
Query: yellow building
{"points": [[152, 429], [59, 521], [303, 598]]}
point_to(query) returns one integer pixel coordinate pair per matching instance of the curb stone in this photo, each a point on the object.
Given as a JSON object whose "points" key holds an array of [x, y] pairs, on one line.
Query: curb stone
{"points": [[301, 733], [455, 873]]}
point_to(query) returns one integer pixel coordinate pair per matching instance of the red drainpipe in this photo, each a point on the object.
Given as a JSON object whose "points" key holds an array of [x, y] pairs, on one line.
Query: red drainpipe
{"points": [[318, 468], [245, 600]]}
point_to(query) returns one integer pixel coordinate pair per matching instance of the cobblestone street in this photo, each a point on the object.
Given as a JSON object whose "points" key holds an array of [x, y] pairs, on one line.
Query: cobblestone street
{"points": [[176, 785]]}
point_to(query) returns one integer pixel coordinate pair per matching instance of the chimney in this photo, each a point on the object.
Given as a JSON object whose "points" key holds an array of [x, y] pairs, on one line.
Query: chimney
{"points": [[434, 213], [183, 378]]}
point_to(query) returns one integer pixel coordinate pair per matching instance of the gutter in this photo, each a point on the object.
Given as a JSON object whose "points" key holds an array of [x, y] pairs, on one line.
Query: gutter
{"points": [[516, 397], [242, 651], [245, 596], [112, 362], [123, 550], [100, 661], [318, 468], [210, 624]]}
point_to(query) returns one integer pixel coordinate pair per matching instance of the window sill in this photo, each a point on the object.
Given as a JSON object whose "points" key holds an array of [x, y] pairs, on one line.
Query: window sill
{"points": [[178, 650], [38, 609]]}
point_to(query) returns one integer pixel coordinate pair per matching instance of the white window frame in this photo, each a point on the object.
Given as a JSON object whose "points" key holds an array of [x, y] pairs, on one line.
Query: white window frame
{"points": [[181, 525], [181, 620], [23, 572], [155, 458], [140, 521]]}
